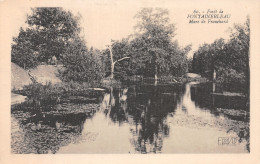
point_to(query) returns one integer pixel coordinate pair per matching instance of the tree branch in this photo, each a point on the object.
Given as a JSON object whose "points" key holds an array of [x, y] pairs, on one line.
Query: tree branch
{"points": [[121, 59]]}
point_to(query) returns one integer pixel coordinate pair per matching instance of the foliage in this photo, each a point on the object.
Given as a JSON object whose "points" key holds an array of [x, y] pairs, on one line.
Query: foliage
{"points": [[209, 57], [50, 93], [80, 65], [151, 50], [120, 50], [154, 46], [229, 59], [23, 52], [189, 62], [46, 94], [153, 39], [45, 97], [48, 33], [230, 76]]}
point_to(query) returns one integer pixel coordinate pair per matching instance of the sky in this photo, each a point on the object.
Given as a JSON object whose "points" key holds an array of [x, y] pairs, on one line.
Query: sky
{"points": [[114, 19]]}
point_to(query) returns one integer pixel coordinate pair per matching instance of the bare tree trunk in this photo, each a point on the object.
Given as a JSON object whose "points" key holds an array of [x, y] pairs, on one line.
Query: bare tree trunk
{"points": [[155, 76], [214, 75], [112, 70], [114, 62]]}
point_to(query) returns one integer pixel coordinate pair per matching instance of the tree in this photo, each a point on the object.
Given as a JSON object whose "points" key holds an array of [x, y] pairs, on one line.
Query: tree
{"points": [[154, 37], [229, 59], [190, 64], [48, 33], [155, 51], [80, 64], [177, 63], [239, 52], [117, 58], [113, 62], [150, 51], [23, 52], [209, 57]]}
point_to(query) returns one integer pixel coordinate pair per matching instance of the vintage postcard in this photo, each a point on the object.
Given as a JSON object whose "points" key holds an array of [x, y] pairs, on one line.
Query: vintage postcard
{"points": [[126, 80]]}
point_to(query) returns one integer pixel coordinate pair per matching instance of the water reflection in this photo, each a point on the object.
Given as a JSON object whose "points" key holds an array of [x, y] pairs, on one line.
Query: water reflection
{"points": [[153, 104], [46, 132], [202, 95], [146, 118], [149, 111]]}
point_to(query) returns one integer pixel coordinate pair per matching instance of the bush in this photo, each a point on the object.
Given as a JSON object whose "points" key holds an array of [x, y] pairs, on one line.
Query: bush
{"points": [[44, 97], [80, 65], [42, 94], [53, 92], [230, 76], [231, 80]]}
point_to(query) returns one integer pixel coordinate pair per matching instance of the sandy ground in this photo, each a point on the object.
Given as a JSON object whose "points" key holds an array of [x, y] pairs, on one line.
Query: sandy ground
{"points": [[42, 74], [20, 78], [46, 73], [16, 98]]}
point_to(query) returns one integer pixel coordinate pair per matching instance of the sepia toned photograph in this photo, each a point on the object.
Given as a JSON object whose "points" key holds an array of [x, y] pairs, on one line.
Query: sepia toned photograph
{"points": [[144, 92], [111, 77]]}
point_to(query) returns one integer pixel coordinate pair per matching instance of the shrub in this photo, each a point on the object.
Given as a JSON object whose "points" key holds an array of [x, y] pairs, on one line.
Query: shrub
{"points": [[231, 80], [79, 64], [44, 97], [230, 76]]}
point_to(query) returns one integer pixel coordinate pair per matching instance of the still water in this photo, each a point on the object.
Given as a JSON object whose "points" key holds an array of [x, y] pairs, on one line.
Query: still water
{"points": [[143, 118]]}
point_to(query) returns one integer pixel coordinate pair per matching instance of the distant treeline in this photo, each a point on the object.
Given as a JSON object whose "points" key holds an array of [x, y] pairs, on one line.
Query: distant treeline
{"points": [[229, 60]]}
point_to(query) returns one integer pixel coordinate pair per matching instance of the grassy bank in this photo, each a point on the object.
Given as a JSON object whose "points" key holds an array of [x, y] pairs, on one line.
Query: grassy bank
{"points": [[44, 97]]}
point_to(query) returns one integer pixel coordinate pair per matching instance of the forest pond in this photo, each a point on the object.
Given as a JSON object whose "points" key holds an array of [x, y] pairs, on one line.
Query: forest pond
{"points": [[143, 118]]}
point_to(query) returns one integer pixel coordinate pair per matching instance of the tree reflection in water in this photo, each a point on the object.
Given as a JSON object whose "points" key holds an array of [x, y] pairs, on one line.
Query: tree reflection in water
{"points": [[139, 118], [145, 109]]}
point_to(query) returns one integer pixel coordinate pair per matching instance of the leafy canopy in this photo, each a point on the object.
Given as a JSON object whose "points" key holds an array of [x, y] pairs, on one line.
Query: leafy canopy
{"points": [[47, 34]]}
